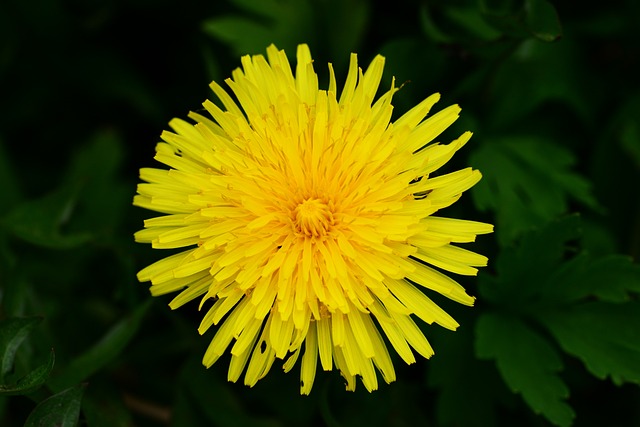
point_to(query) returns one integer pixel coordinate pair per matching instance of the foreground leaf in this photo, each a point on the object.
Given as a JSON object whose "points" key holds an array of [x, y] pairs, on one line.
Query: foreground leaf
{"points": [[538, 269], [528, 364], [12, 332], [527, 182], [612, 278], [587, 303], [605, 336], [524, 271], [60, 410], [32, 381]]}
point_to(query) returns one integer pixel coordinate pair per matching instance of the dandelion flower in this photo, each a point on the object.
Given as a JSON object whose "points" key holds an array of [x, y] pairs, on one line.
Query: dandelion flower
{"points": [[307, 218]]}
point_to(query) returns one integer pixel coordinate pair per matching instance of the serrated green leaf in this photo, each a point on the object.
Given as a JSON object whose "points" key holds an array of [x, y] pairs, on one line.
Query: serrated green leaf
{"points": [[40, 221], [546, 245], [610, 278], [12, 332], [102, 353], [60, 410], [539, 280], [32, 381], [542, 20], [528, 364], [527, 182], [537, 270], [605, 336]]}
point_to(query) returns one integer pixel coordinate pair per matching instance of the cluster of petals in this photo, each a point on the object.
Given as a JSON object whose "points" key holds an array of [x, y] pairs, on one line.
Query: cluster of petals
{"points": [[307, 219]]}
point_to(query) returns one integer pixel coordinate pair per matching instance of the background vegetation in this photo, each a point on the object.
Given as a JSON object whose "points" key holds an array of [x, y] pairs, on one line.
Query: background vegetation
{"points": [[550, 90]]}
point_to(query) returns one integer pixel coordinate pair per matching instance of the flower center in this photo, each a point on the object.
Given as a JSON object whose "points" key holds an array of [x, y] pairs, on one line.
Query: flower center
{"points": [[313, 218]]}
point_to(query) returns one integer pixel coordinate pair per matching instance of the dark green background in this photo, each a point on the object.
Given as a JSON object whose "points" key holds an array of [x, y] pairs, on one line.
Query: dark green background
{"points": [[549, 89]]}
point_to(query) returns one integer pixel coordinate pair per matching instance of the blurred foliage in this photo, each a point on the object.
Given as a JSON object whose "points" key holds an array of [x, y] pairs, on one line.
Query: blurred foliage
{"points": [[549, 89]]}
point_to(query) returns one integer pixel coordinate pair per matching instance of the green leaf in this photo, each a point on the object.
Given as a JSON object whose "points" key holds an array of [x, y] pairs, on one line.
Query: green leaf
{"points": [[610, 278], [523, 270], [345, 26], [507, 16], [90, 198], [102, 353], [527, 182], [330, 27], [605, 336], [60, 410], [448, 23], [32, 381], [246, 37], [12, 332], [534, 75], [412, 61], [538, 271], [523, 18], [597, 239], [528, 364], [468, 19], [431, 28], [97, 162], [284, 23], [542, 281], [542, 20], [102, 197], [41, 221]]}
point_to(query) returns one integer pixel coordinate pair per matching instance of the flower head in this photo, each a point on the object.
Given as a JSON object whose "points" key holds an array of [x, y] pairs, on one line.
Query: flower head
{"points": [[308, 218]]}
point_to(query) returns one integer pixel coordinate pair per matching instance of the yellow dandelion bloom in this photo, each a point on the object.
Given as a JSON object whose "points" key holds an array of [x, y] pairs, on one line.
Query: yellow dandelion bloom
{"points": [[308, 218]]}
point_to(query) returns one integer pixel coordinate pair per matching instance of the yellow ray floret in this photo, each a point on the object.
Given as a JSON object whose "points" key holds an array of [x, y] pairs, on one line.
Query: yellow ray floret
{"points": [[308, 221]]}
